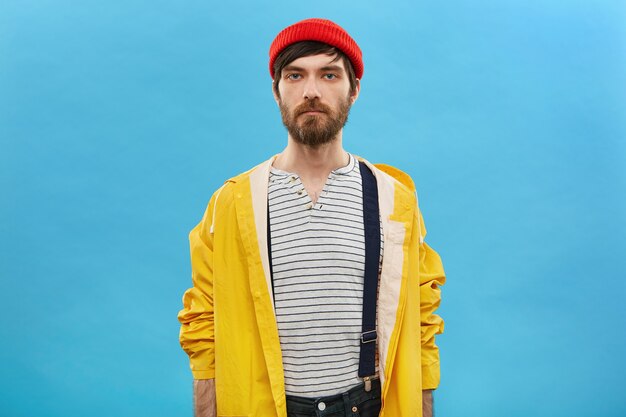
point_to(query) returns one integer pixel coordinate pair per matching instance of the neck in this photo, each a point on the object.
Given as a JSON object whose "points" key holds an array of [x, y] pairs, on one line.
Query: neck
{"points": [[312, 162]]}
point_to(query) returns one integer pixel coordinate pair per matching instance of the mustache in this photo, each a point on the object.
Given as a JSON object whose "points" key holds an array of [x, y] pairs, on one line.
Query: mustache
{"points": [[312, 106]]}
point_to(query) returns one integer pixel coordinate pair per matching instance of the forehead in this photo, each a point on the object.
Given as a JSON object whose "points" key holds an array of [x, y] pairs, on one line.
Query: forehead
{"points": [[317, 62]]}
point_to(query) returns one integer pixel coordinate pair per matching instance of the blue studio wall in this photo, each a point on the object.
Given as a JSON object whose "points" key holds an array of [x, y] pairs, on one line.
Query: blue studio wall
{"points": [[119, 119]]}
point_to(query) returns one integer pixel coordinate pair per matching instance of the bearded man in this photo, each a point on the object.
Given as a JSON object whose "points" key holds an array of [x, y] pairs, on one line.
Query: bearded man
{"points": [[314, 293]]}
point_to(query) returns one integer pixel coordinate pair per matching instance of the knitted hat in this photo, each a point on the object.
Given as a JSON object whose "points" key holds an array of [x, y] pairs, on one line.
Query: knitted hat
{"points": [[320, 30]]}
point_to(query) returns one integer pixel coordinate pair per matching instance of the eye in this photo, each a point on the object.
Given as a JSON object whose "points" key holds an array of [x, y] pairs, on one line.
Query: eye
{"points": [[330, 76], [293, 76]]}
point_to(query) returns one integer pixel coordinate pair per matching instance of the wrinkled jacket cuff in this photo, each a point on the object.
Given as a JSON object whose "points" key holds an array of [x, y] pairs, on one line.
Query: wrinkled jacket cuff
{"points": [[430, 376], [207, 374]]}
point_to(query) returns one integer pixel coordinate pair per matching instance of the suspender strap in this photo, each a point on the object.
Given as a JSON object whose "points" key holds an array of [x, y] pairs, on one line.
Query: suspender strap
{"points": [[371, 224]]}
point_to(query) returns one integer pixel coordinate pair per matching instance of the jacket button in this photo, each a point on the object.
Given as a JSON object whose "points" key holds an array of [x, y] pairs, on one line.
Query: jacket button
{"points": [[321, 406], [354, 409]]}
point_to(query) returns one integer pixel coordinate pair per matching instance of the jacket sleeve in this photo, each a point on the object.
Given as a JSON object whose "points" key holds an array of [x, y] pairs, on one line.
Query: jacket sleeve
{"points": [[196, 317], [432, 276]]}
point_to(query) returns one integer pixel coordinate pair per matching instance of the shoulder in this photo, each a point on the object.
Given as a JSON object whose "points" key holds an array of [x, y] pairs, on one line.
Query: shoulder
{"points": [[392, 174], [240, 181], [398, 175]]}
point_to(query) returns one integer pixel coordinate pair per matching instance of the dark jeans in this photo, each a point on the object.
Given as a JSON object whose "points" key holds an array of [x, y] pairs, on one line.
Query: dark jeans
{"points": [[354, 403]]}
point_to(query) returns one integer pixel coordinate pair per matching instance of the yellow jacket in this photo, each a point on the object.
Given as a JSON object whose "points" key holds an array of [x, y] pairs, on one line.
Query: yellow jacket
{"points": [[228, 324]]}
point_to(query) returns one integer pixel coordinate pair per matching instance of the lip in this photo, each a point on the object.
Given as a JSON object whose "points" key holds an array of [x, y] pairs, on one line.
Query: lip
{"points": [[312, 112]]}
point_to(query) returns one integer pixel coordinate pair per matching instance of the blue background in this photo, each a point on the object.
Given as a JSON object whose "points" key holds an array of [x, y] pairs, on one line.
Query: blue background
{"points": [[119, 119]]}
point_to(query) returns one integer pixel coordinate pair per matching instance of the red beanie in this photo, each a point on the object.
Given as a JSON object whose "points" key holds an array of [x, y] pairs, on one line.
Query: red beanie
{"points": [[320, 30]]}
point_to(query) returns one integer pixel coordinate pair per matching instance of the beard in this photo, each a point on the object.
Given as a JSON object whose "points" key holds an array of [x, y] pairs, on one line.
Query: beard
{"points": [[316, 129]]}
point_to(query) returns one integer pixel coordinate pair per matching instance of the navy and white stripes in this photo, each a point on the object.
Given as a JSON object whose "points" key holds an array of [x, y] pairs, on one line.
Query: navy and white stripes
{"points": [[318, 254]]}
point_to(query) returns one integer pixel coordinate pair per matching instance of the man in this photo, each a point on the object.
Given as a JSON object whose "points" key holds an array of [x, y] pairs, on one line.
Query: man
{"points": [[313, 290]]}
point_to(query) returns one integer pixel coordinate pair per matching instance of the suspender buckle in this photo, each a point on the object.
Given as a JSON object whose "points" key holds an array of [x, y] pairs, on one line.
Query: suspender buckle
{"points": [[368, 383], [368, 337]]}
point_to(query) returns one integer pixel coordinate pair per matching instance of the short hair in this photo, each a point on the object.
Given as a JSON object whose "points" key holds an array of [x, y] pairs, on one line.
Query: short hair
{"points": [[309, 48]]}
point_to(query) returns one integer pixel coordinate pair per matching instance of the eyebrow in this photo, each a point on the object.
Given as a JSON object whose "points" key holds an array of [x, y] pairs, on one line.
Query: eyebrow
{"points": [[332, 68], [325, 68]]}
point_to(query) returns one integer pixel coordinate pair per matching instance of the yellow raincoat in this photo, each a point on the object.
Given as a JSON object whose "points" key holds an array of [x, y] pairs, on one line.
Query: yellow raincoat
{"points": [[228, 324]]}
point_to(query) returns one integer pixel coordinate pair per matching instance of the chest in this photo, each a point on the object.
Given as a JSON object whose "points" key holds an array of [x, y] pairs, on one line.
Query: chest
{"points": [[325, 212]]}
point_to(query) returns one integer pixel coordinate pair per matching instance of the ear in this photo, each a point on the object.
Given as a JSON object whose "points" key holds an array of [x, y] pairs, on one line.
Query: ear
{"points": [[355, 94], [276, 97]]}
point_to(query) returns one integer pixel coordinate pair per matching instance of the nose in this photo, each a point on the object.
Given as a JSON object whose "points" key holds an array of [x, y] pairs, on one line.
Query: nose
{"points": [[311, 89]]}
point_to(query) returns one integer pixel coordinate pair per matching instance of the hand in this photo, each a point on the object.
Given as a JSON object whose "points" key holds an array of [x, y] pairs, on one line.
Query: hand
{"points": [[427, 403], [204, 398]]}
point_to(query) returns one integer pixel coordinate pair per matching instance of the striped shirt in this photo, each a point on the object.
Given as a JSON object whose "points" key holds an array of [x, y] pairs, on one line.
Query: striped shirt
{"points": [[318, 258]]}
